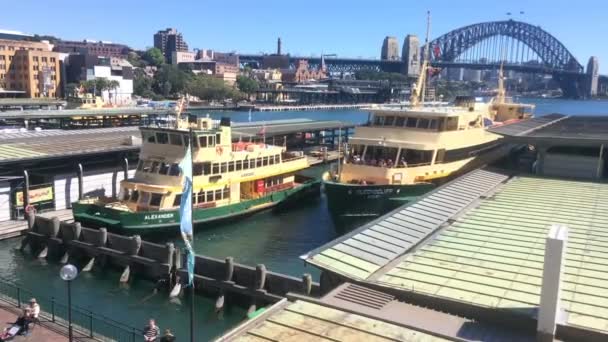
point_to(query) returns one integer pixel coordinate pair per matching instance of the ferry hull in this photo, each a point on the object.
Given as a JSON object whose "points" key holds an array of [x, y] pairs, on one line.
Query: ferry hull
{"points": [[168, 221], [354, 200]]}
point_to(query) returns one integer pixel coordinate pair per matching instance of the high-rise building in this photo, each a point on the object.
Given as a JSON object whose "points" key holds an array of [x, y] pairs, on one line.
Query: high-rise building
{"points": [[168, 41], [92, 47], [593, 74], [390, 49], [411, 55], [30, 67]]}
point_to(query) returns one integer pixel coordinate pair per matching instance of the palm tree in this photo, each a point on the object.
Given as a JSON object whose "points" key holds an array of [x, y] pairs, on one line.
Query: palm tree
{"points": [[114, 85]]}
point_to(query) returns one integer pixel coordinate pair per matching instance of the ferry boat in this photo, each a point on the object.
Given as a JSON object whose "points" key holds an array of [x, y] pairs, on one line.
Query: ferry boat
{"points": [[405, 151], [229, 179]]}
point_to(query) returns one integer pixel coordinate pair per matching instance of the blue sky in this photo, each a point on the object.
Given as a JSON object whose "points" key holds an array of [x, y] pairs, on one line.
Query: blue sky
{"points": [[352, 28]]}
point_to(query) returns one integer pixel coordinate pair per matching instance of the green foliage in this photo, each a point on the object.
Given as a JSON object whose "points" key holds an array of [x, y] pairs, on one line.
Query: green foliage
{"points": [[98, 85], [170, 80], [136, 60], [154, 56], [246, 84], [370, 75], [451, 89], [71, 89], [142, 84], [39, 38], [210, 88]]}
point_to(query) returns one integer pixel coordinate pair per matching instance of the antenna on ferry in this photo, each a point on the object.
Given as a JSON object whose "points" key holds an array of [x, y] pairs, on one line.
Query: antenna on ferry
{"points": [[419, 89]]}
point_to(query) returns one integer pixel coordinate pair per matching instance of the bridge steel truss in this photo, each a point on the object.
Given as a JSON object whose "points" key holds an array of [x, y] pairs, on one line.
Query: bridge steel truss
{"points": [[551, 51]]}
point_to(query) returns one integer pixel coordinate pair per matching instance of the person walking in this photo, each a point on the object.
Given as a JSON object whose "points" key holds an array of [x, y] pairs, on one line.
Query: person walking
{"points": [[151, 331], [168, 336]]}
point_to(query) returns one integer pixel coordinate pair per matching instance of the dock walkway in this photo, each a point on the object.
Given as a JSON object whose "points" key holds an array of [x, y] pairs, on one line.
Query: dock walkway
{"points": [[13, 228]]}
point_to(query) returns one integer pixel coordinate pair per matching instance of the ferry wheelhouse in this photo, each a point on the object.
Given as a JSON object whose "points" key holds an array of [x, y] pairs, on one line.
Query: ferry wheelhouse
{"points": [[229, 179]]}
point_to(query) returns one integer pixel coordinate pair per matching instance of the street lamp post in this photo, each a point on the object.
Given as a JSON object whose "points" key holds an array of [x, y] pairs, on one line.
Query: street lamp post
{"points": [[68, 273]]}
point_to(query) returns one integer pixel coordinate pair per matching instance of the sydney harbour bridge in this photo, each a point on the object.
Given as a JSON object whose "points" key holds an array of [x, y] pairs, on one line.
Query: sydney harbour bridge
{"points": [[517, 45]]}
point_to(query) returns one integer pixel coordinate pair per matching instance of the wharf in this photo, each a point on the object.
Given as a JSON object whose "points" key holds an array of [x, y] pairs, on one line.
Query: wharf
{"points": [[14, 228], [311, 107], [9, 313]]}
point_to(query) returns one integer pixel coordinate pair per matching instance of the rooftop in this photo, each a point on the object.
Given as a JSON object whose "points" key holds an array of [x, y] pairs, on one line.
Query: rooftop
{"points": [[479, 241]]}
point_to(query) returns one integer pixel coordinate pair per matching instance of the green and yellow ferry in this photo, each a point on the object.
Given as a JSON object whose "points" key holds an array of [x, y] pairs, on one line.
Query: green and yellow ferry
{"points": [[229, 179]]}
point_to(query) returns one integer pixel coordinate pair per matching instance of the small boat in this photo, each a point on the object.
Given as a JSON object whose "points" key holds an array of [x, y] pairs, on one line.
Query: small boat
{"points": [[229, 179]]}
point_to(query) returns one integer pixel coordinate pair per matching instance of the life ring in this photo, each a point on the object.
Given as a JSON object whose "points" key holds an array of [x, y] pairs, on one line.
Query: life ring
{"points": [[30, 209], [219, 150]]}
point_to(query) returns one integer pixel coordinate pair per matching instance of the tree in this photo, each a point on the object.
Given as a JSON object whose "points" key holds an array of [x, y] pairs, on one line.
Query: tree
{"points": [[171, 80], [209, 88], [380, 75], [135, 58], [154, 56], [113, 85], [142, 84], [246, 84]]}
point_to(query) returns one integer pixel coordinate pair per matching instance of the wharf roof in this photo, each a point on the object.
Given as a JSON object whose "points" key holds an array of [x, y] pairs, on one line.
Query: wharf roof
{"points": [[68, 113], [29, 102], [558, 129], [490, 253], [49, 144]]}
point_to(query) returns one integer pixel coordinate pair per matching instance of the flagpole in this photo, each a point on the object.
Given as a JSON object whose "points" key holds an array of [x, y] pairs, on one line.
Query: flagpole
{"points": [[192, 339]]}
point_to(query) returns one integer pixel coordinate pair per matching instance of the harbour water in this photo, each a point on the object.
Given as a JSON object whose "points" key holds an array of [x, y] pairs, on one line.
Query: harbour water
{"points": [[276, 239]]}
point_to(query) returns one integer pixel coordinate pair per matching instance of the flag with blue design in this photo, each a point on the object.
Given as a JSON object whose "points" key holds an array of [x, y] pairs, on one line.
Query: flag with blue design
{"points": [[185, 211]]}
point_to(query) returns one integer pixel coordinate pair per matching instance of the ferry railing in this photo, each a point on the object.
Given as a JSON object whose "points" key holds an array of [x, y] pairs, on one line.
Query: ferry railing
{"points": [[85, 323]]}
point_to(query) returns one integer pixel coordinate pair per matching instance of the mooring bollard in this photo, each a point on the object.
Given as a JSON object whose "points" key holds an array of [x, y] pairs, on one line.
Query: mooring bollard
{"points": [[102, 237], [229, 268], [306, 284], [89, 266], [260, 277], [76, 229], [135, 245], [54, 227], [124, 277]]}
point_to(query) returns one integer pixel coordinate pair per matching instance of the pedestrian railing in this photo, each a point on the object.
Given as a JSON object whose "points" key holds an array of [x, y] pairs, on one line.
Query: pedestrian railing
{"points": [[84, 322]]}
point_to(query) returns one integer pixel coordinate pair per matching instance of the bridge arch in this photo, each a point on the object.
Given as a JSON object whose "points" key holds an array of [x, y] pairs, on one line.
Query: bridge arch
{"points": [[551, 52]]}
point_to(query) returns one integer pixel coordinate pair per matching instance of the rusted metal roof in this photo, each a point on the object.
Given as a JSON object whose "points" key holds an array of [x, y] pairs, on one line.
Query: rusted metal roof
{"points": [[366, 250]]}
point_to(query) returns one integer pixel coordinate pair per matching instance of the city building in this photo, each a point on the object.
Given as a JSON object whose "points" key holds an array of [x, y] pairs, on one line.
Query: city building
{"points": [[30, 67], [169, 40], [88, 67], [223, 71], [226, 58], [411, 55], [267, 75], [302, 73], [178, 57], [14, 35], [276, 60], [92, 47], [205, 54], [390, 49], [593, 74]]}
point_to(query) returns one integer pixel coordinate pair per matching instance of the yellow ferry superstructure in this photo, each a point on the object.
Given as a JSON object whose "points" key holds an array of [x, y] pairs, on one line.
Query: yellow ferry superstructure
{"points": [[229, 179]]}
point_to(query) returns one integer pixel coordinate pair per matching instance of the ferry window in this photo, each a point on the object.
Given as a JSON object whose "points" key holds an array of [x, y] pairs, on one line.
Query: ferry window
{"points": [[155, 166], [162, 138], [206, 168], [174, 170], [175, 139], [178, 200], [216, 168], [230, 166], [378, 120], [245, 164], [389, 120], [224, 167], [218, 194], [218, 139], [451, 123], [155, 200], [164, 168], [202, 141], [258, 162], [149, 137], [271, 160], [210, 141], [239, 165], [400, 121], [209, 196], [265, 161], [201, 197], [423, 123], [414, 157], [433, 124], [226, 193], [411, 122], [277, 158], [134, 196], [187, 141], [197, 169], [144, 198]]}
